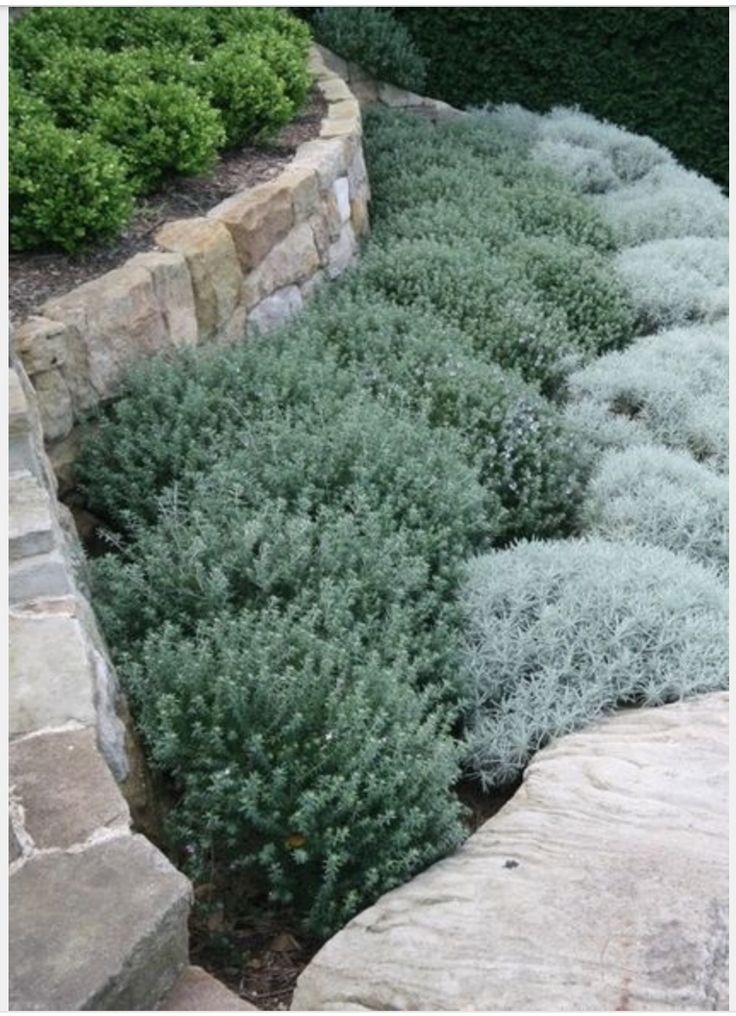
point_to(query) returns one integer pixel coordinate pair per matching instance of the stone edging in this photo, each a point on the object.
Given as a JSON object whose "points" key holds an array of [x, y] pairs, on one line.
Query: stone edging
{"points": [[98, 916]]}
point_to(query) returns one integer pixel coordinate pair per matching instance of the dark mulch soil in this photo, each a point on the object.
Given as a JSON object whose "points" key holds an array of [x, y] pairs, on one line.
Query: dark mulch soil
{"points": [[261, 955], [36, 277]]}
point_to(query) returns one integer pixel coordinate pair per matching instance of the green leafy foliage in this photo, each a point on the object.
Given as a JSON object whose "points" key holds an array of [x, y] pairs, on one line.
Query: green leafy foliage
{"points": [[66, 188], [656, 71], [375, 39], [167, 87], [562, 632], [649, 494], [158, 129], [247, 91]]}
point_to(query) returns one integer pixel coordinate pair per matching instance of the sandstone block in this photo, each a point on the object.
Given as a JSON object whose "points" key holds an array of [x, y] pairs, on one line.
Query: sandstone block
{"points": [[14, 848], [341, 189], [172, 286], [197, 990], [303, 183], [40, 343], [334, 90], [116, 321], [321, 232], [105, 928], [275, 309], [51, 681], [65, 788], [342, 252], [213, 267], [601, 886], [327, 156], [40, 576], [358, 174], [343, 127], [31, 524], [291, 261], [307, 288], [54, 403], [256, 219], [321, 56]]}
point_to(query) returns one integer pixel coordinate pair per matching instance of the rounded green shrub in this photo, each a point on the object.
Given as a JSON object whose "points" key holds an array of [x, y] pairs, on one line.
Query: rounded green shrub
{"points": [[66, 189], [477, 293], [373, 38], [159, 128], [652, 495], [560, 633], [287, 58], [313, 770], [529, 460], [247, 91], [579, 281]]}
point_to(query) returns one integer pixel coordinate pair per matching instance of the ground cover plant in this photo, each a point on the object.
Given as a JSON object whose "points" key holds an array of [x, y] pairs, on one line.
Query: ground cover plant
{"points": [[561, 633], [564, 631], [294, 513], [106, 102]]}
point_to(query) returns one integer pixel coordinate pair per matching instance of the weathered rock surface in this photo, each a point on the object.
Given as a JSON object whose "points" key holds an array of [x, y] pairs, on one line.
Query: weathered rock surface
{"points": [[195, 990], [602, 885], [102, 928], [66, 790]]}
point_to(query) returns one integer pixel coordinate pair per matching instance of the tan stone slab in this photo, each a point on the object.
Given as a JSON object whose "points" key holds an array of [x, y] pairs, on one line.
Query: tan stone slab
{"points": [[328, 157], [54, 403], [321, 56], [195, 990], [214, 268], [290, 262], [30, 521], [117, 321], [303, 183], [601, 886], [256, 219], [275, 309], [342, 252], [334, 90], [65, 788], [104, 928], [51, 681], [18, 418], [40, 343], [172, 286]]}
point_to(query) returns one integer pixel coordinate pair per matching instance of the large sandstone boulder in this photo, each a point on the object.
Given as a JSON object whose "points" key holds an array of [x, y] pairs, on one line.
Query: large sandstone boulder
{"points": [[602, 885]]}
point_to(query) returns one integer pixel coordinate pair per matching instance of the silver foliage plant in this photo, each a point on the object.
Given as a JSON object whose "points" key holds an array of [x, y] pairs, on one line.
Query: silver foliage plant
{"points": [[655, 496], [670, 389], [676, 281], [561, 633]]}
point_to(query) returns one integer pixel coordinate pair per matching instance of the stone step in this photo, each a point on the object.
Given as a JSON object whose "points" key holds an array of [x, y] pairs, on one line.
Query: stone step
{"points": [[601, 886], [104, 927], [195, 990]]}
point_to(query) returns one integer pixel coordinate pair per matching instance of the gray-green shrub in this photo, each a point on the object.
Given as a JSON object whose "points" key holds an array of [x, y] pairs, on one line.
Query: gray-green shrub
{"points": [[670, 388], [303, 762], [560, 633], [652, 495], [373, 38]]}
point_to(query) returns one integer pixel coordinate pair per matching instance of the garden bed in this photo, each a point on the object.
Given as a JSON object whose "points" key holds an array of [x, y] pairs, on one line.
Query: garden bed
{"points": [[35, 277]]}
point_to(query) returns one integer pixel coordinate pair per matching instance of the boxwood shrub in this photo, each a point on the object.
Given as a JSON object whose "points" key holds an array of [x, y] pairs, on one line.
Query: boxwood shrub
{"points": [[168, 88]]}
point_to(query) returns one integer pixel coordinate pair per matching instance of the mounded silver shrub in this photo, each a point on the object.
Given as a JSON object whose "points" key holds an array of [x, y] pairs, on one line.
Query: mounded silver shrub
{"points": [[560, 633], [676, 281], [668, 202], [655, 496], [670, 389]]}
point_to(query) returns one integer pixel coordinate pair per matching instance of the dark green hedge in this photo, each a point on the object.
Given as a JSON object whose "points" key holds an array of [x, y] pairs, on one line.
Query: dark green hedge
{"points": [[660, 71]]}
